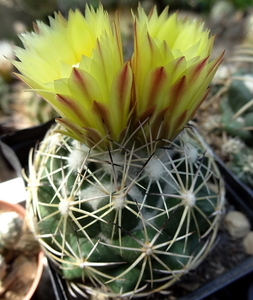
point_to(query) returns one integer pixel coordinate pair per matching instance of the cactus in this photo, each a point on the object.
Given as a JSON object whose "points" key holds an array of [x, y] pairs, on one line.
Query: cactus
{"points": [[132, 219], [237, 122], [123, 198], [238, 96]]}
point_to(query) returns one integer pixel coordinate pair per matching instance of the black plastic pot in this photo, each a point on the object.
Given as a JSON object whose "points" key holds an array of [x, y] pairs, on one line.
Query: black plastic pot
{"points": [[21, 142], [235, 284]]}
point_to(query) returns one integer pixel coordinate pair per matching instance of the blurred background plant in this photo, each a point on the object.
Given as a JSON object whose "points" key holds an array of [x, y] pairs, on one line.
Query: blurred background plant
{"points": [[226, 119], [237, 123]]}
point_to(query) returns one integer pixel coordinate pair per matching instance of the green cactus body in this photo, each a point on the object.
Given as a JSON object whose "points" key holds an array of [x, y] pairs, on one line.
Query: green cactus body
{"points": [[129, 220], [238, 92], [237, 96]]}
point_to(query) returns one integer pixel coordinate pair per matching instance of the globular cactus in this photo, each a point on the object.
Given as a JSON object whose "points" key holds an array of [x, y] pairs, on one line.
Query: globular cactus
{"points": [[238, 96], [237, 122], [124, 199], [130, 220]]}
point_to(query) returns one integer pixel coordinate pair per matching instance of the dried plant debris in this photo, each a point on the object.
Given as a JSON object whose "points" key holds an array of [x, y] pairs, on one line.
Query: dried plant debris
{"points": [[18, 258]]}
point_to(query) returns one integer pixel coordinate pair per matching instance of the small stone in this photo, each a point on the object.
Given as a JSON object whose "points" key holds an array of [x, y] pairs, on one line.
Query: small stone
{"points": [[248, 243], [237, 224]]}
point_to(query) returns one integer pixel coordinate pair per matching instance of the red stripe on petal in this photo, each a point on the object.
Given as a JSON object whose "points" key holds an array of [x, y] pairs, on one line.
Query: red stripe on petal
{"points": [[178, 62], [93, 137], [78, 77], [157, 80], [150, 42], [71, 110], [103, 112], [72, 130], [198, 68], [89, 136], [147, 113], [157, 127], [217, 62], [123, 81], [176, 92]]}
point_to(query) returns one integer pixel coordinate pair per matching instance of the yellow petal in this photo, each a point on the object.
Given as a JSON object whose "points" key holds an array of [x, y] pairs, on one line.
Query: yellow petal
{"points": [[172, 70], [77, 66]]}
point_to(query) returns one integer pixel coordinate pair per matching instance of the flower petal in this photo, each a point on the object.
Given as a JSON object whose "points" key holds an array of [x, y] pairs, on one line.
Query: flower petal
{"points": [[172, 69]]}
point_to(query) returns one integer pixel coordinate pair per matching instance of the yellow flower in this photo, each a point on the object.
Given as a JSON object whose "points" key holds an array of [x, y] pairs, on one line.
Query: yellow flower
{"points": [[172, 71], [77, 66]]}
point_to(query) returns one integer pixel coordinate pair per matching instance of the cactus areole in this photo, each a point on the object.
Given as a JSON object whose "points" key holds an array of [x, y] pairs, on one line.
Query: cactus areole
{"points": [[123, 198]]}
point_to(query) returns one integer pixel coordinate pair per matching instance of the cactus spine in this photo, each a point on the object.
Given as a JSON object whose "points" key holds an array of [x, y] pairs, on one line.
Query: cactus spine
{"points": [[130, 220]]}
